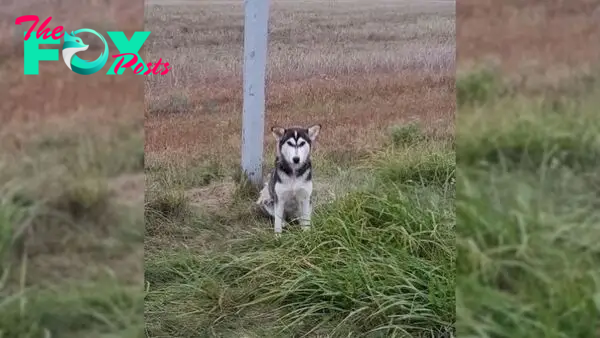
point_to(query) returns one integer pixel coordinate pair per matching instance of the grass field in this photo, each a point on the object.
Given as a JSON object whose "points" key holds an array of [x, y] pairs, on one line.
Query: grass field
{"points": [[528, 143], [379, 261], [71, 185]]}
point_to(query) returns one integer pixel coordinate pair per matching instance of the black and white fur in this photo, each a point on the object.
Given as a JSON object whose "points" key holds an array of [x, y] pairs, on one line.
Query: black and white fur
{"points": [[287, 192]]}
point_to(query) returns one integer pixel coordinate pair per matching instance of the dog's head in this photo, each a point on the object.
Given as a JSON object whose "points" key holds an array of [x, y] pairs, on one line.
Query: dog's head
{"points": [[294, 144]]}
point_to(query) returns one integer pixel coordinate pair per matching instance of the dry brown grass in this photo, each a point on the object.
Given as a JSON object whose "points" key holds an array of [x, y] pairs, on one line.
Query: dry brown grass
{"points": [[356, 68], [530, 38], [71, 151]]}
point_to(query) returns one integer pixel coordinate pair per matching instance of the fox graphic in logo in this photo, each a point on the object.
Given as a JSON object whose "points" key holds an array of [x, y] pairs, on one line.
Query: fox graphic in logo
{"points": [[73, 45]]}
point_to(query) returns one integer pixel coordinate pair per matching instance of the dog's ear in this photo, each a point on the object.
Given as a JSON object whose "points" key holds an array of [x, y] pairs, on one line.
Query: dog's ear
{"points": [[313, 131], [278, 132]]}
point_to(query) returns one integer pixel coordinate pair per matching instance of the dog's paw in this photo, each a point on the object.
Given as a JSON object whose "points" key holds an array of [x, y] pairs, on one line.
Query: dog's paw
{"points": [[305, 227]]}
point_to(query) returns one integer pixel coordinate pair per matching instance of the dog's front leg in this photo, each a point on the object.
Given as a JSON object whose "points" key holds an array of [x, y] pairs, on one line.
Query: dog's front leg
{"points": [[279, 214], [305, 211]]}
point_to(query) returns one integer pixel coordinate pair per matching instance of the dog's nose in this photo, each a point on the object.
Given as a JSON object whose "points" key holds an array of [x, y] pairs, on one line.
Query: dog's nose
{"points": [[296, 159]]}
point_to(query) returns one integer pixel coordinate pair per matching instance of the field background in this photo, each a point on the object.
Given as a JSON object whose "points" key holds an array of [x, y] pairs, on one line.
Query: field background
{"points": [[527, 189], [71, 183], [338, 63], [379, 77]]}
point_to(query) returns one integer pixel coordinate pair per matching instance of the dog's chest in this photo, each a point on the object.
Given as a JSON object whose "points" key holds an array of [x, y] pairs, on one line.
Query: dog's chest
{"points": [[293, 188]]}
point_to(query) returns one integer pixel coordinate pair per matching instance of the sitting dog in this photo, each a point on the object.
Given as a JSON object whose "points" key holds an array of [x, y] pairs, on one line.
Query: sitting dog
{"points": [[288, 189]]}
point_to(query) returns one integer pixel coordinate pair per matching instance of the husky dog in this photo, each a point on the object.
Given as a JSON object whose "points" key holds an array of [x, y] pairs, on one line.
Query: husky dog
{"points": [[288, 189]]}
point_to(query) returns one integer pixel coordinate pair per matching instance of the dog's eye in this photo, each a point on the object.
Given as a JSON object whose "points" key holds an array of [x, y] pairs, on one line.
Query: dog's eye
{"points": [[290, 143], [301, 144]]}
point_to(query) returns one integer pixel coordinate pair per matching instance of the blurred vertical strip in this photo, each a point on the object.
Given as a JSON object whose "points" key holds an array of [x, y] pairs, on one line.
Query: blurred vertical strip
{"points": [[528, 156], [71, 181]]}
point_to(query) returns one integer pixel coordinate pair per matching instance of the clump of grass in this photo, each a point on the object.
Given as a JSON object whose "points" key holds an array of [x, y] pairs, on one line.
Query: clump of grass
{"points": [[514, 133], [245, 190], [172, 204], [407, 135], [377, 262], [84, 198], [477, 87], [164, 206], [65, 196], [426, 163]]}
